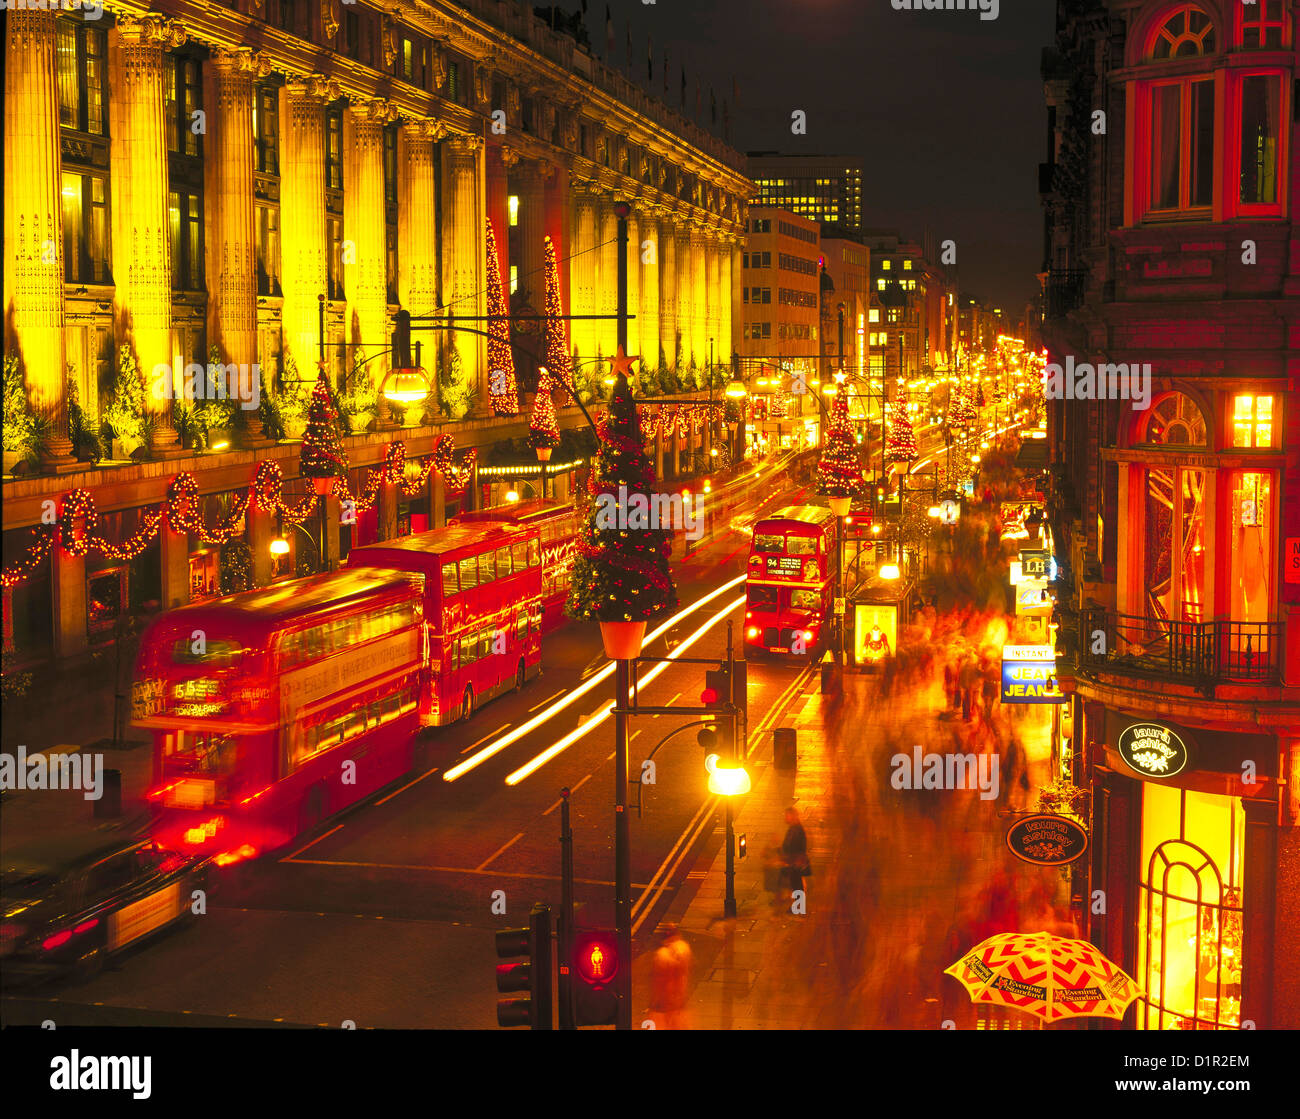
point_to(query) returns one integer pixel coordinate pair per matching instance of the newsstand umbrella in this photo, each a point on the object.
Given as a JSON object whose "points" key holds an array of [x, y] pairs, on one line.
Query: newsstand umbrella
{"points": [[1050, 976]]}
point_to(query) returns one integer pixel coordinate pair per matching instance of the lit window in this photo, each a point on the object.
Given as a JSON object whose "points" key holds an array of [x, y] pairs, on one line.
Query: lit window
{"points": [[907, 266], [886, 265], [512, 204], [875, 314], [1252, 421], [514, 278]]}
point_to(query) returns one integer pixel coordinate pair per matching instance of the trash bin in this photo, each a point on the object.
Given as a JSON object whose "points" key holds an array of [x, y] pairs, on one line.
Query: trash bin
{"points": [[784, 752], [832, 678], [109, 805]]}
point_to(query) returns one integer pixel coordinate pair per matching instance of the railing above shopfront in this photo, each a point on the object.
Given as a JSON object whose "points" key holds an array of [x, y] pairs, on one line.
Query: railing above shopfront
{"points": [[1199, 653]]}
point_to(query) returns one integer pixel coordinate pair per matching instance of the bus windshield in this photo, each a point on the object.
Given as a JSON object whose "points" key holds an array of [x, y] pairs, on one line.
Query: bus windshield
{"points": [[801, 545], [804, 600], [769, 543], [762, 598], [202, 754]]}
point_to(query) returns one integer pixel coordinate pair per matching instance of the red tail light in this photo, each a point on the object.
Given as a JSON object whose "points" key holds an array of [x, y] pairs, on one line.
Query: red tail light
{"points": [[57, 940], [86, 926]]}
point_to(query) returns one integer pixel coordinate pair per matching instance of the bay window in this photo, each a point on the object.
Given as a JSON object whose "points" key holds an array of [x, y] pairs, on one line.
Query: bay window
{"points": [[1182, 145], [1259, 119]]}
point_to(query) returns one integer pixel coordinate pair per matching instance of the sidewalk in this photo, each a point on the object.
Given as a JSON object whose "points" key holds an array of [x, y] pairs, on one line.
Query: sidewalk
{"points": [[893, 874]]}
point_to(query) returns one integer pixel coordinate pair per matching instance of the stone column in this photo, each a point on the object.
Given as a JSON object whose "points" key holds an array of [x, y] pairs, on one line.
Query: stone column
{"points": [[174, 559], [497, 161], [462, 265], [584, 266], [713, 298], [261, 531], [231, 247], [668, 291], [647, 250], [699, 297], [633, 284], [68, 590], [685, 302], [607, 287], [531, 186], [142, 259], [33, 222], [437, 500], [417, 219], [365, 279], [387, 505], [303, 274]]}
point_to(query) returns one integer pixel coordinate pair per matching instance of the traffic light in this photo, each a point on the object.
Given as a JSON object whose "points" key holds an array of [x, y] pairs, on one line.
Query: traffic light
{"points": [[716, 696], [595, 965], [532, 975]]}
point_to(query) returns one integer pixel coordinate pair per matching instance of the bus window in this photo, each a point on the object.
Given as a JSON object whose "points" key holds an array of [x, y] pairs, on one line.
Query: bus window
{"points": [[290, 649], [486, 567], [216, 653], [468, 573], [761, 598], [486, 638], [805, 600], [313, 641], [534, 553], [468, 650], [801, 545], [450, 584], [521, 625], [766, 543], [407, 700], [503, 562], [521, 556]]}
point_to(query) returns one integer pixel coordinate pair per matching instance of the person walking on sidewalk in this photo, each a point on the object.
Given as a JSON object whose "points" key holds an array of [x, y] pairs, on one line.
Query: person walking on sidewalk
{"points": [[794, 851], [671, 980]]}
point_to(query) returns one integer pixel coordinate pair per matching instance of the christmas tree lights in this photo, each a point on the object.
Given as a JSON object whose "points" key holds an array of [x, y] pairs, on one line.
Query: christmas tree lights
{"points": [[322, 455], [902, 441], [503, 390], [621, 575], [839, 471], [543, 430], [558, 361]]}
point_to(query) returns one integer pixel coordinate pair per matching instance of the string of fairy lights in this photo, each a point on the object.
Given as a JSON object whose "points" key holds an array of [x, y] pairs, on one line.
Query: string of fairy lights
{"points": [[77, 526]]}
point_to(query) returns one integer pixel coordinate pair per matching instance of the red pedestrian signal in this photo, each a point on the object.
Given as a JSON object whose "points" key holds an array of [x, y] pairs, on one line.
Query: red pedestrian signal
{"points": [[595, 963], [709, 697]]}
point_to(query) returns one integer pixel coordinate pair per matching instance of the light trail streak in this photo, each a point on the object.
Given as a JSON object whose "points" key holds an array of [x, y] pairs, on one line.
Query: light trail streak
{"points": [[491, 750], [591, 724]]}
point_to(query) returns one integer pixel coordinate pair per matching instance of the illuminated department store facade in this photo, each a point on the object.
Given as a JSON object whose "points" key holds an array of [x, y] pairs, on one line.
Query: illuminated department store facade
{"points": [[188, 178], [1171, 239]]}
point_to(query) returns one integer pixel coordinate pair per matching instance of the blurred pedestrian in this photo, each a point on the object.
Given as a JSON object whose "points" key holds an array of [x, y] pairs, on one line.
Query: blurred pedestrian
{"points": [[670, 980], [794, 852]]}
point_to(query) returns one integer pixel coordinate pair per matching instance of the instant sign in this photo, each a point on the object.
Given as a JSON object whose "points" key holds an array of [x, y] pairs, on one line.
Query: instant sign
{"points": [[1047, 840], [1029, 675]]}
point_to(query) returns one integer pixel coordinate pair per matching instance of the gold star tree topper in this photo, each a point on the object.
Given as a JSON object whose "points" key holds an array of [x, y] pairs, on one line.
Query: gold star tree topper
{"points": [[622, 364]]}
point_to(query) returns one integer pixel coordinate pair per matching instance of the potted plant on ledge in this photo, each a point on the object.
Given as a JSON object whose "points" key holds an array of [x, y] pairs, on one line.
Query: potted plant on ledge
{"points": [[323, 459], [359, 401], [620, 576]]}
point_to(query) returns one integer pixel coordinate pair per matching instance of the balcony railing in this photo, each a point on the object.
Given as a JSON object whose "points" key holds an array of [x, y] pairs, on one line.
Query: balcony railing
{"points": [[1065, 291], [1199, 653]]}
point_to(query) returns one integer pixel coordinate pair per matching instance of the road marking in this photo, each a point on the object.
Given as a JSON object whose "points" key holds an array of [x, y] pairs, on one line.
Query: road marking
{"points": [[484, 738], [312, 843], [407, 786], [537, 761], [500, 850], [458, 870], [584, 780], [546, 701], [458, 771], [669, 703]]}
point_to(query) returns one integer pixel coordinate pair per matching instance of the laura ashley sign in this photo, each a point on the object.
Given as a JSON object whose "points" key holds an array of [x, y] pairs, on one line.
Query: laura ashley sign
{"points": [[1152, 750]]}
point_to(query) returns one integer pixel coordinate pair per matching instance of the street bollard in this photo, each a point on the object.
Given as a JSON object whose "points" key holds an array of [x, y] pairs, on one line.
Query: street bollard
{"points": [[109, 806], [784, 752]]}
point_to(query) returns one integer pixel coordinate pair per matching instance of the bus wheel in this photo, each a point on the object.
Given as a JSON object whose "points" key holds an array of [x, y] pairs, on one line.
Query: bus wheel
{"points": [[467, 704], [313, 810], [521, 676]]}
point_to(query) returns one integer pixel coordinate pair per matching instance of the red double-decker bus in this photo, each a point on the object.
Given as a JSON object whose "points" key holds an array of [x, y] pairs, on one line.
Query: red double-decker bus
{"points": [[276, 708], [482, 607], [558, 526], [790, 585]]}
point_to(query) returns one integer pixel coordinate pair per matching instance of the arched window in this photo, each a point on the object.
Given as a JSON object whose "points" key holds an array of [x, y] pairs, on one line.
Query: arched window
{"points": [[1175, 421], [1185, 34], [1190, 910]]}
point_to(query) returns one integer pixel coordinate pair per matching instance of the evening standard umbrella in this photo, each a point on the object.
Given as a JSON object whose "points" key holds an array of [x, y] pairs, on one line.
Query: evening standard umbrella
{"points": [[1050, 976]]}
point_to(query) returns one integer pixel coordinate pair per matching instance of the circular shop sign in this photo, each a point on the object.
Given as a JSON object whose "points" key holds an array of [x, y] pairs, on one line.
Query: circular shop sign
{"points": [[1047, 840], [1152, 750]]}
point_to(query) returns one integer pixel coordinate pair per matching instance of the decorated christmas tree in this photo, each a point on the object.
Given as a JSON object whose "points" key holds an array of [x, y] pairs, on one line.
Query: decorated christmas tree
{"points": [[543, 431], [962, 412], [979, 397], [621, 574], [839, 471], [502, 389], [558, 360], [902, 441], [322, 454]]}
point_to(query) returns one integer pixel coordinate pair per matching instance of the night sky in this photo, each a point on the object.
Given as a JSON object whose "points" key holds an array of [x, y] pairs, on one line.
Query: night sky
{"points": [[945, 108]]}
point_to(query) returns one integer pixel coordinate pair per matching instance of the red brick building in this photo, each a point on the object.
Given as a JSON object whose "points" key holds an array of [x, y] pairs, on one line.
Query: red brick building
{"points": [[1170, 187]]}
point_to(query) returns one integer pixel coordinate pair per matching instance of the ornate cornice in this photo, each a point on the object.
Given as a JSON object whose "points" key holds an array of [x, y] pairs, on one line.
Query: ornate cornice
{"points": [[151, 31]]}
